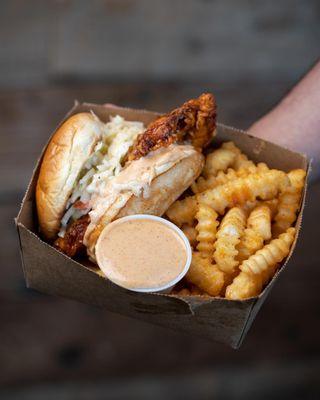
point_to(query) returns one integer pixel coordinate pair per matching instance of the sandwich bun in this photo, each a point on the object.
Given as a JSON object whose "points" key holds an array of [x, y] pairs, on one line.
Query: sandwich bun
{"points": [[162, 192], [166, 188], [70, 147]]}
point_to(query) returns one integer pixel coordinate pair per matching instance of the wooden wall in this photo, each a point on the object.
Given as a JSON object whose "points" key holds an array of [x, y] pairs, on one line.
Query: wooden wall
{"points": [[215, 40], [148, 54]]}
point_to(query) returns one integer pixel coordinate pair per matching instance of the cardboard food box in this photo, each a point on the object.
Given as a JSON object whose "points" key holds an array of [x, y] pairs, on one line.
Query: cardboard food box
{"points": [[219, 319]]}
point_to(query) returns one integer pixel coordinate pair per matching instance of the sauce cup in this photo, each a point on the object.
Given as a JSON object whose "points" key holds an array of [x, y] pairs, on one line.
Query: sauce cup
{"points": [[169, 285]]}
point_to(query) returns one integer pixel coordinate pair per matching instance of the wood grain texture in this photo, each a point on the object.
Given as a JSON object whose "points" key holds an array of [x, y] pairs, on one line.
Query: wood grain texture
{"points": [[181, 39]]}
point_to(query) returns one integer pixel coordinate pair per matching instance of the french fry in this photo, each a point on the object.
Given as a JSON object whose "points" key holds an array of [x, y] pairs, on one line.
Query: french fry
{"points": [[228, 237], [258, 230], [218, 160], [270, 254], [202, 184], [248, 206], [260, 221], [297, 177], [251, 168], [205, 275], [231, 147], [259, 268], [272, 204], [222, 177], [237, 192], [251, 242], [182, 211], [262, 168], [191, 234], [241, 160], [289, 202], [244, 286], [206, 229]]}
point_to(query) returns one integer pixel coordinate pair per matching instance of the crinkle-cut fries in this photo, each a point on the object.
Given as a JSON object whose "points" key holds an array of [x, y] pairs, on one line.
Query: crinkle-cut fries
{"points": [[206, 229], [239, 221], [228, 237]]}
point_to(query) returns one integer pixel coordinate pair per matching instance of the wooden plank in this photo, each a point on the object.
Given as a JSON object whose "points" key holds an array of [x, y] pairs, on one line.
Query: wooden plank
{"points": [[225, 41], [186, 39]]}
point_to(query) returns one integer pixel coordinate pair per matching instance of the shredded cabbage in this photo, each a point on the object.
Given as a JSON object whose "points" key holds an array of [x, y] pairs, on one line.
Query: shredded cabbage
{"points": [[105, 162]]}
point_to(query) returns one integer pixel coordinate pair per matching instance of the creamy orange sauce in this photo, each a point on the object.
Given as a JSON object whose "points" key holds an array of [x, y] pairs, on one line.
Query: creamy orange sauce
{"points": [[140, 254]]}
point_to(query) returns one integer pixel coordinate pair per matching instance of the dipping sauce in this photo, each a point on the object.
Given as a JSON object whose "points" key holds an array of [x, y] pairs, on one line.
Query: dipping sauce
{"points": [[141, 253]]}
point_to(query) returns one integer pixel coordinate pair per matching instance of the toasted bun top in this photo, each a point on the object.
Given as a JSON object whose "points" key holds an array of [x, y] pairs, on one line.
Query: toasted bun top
{"points": [[69, 148]]}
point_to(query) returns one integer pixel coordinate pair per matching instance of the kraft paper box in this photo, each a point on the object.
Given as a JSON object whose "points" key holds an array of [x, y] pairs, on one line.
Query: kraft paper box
{"points": [[50, 271]]}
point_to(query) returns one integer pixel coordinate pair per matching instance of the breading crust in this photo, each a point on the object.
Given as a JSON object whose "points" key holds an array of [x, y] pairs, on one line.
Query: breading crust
{"points": [[195, 120]]}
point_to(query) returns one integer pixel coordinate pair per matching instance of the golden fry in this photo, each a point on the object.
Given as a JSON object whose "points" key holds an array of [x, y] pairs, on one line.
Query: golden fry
{"points": [[249, 206], [205, 275], [244, 286], [202, 184], [297, 177], [272, 204], [260, 221], [218, 160], [248, 285], [262, 168], [231, 147], [228, 237], [182, 211], [251, 168], [241, 161], [260, 267], [206, 229], [289, 202], [270, 254], [191, 234], [237, 192], [221, 178], [251, 242]]}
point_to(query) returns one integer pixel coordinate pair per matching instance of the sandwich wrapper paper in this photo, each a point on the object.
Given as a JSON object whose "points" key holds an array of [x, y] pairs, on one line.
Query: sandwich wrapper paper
{"points": [[218, 319]]}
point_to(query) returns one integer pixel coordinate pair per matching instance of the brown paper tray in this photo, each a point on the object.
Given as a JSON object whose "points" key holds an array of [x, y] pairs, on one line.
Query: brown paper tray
{"points": [[219, 319]]}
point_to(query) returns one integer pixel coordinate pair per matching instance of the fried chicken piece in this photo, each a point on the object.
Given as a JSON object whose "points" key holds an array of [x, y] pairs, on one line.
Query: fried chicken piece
{"points": [[195, 120], [72, 242]]}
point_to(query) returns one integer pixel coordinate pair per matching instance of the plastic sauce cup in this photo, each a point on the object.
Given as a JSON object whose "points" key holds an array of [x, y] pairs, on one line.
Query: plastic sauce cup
{"points": [[169, 285]]}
